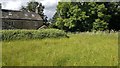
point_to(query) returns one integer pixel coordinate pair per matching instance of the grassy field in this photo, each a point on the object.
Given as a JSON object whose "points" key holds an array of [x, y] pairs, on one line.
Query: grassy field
{"points": [[84, 49]]}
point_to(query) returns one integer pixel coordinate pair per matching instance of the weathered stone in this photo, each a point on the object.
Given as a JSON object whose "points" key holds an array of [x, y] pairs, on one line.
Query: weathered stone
{"points": [[12, 19]]}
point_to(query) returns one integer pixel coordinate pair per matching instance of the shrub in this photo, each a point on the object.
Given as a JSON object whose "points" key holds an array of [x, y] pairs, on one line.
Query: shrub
{"points": [[32, 34]]}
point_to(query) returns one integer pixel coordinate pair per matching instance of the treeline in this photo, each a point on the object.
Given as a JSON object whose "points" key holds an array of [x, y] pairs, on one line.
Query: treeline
{"points": [[87, 16]]}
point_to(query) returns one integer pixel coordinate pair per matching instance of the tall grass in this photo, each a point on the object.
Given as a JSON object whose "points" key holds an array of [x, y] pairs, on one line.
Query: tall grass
{"points": [[84, 49]]}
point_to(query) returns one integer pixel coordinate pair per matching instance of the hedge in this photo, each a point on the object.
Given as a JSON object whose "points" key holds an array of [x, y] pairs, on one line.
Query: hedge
{"points": [[32, 34]]}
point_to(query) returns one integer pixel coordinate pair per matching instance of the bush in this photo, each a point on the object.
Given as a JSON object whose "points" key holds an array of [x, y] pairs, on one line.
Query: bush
{"points": [[32, 34]]}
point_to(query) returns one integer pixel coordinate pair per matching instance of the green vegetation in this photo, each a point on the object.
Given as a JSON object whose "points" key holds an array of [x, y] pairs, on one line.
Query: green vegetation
{"points": [[87, 16], [52, 47], [82, 49], [32, 34]]}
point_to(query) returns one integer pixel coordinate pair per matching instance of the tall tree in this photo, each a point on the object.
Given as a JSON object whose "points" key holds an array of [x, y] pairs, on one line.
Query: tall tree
{"points": [[86, 16], [114, 11]]}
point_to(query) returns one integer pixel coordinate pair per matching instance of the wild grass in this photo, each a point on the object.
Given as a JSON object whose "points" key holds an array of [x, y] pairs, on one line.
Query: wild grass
{"points": [[83, 49]]}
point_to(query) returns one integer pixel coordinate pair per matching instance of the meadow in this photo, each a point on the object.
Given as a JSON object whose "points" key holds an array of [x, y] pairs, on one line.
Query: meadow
{"points": [[82, 49]]}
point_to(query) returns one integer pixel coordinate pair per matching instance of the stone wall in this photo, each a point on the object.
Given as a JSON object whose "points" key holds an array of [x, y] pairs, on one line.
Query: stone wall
{"points": [[21, 24]]}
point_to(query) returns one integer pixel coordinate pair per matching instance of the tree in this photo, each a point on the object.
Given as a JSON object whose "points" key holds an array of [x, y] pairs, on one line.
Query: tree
{"points": [[86, 16], [36, 7], [53, 20], [70, 17], [114, 11], [24, 9]]}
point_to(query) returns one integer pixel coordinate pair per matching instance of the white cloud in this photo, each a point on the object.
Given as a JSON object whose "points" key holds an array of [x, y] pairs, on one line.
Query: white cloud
{"points": [[50, 5], [11, 4]]}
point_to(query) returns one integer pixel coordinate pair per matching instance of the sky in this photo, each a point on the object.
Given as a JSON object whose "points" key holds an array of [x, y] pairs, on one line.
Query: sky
{"points": [[50, 5]]}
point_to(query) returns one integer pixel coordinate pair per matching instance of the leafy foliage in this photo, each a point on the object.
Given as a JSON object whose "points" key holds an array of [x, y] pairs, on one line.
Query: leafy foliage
{"points": [[114, 11], [86, 16], [32, 34], [99, 25]]}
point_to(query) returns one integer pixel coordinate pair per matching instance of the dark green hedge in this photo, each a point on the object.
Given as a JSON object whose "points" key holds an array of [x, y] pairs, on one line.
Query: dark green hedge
{"points": [[32, 34]]}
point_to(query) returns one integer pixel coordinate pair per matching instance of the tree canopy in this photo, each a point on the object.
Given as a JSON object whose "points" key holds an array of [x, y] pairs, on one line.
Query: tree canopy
{"points": [[87, 16]]}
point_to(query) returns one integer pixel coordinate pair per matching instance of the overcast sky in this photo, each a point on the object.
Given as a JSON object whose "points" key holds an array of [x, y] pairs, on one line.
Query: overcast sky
{"points": [[50, 5]]}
